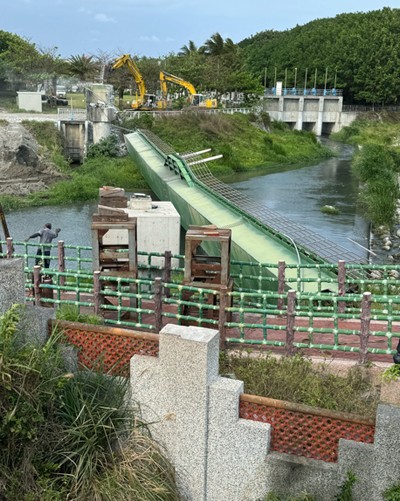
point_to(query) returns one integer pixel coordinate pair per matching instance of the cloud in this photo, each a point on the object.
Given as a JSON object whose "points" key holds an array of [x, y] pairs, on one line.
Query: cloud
{"points": [[103, 18], [152, 38], [84, 10]]}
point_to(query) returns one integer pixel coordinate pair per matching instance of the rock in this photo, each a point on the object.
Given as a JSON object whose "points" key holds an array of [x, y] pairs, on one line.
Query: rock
{"points": [[23, 168]]}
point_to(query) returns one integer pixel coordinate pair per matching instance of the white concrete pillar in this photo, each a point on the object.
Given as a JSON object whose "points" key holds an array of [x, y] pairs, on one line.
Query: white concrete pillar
{"points": [[194, 415]]}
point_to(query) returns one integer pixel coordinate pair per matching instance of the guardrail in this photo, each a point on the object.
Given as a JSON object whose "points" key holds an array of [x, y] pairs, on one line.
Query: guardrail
{"points": [[72, 114], [352, 315]]}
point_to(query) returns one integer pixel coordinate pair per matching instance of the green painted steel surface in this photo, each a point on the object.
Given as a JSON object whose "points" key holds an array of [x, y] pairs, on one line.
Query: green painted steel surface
{"points": [[196, 206]]}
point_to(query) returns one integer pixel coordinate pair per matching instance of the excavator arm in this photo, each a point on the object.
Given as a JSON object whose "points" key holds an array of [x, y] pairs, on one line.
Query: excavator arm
{"points": [[126, 60], [168, 77]]}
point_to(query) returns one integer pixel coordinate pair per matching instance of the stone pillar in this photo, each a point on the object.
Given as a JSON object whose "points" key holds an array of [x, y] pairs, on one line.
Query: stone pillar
{"points": [[12, 283], [299, 122], [194, 415], [318, 124]]}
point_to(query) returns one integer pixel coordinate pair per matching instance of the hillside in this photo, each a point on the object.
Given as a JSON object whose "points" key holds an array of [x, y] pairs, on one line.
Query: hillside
{"points": [[360, 51]]}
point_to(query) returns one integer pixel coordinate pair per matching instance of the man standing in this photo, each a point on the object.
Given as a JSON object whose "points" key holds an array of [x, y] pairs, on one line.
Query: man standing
{"points": [[46, 236]]}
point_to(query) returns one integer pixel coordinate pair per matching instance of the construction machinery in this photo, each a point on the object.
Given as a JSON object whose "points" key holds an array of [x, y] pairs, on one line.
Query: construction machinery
{"points": [[143, 99], [195, 99]]}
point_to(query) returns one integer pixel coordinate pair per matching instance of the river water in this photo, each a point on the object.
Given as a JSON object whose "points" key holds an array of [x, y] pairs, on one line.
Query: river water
{"points": [[297, 194]]}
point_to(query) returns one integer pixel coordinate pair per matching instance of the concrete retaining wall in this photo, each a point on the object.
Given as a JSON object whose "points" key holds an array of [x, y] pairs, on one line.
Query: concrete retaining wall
{"points": [[220, 457]]}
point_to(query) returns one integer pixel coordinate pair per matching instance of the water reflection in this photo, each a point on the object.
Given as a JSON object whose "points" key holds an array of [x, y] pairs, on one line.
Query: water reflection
{"points": [[299, 194]]}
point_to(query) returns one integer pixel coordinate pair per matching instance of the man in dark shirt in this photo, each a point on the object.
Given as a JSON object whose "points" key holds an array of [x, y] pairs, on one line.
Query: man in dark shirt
{"points": [[46, 236]]}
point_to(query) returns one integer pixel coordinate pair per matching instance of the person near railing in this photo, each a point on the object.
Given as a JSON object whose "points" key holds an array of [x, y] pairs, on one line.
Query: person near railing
{"points": [[46, 236]]}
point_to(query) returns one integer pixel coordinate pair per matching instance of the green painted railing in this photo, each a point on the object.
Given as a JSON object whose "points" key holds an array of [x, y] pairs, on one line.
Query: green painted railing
{"points": [[353, 315]]}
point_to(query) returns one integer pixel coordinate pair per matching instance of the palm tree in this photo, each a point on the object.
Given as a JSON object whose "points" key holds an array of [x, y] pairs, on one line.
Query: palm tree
{"points": [[84, 67], [216, 46], [189, 49]]}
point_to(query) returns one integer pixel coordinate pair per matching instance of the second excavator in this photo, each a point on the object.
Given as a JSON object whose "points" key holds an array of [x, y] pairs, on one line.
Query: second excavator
{"points": [[195, 99]]}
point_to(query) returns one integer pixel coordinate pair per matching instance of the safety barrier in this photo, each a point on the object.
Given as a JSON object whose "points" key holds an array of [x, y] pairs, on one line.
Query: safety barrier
{"points": [[358, 313]]}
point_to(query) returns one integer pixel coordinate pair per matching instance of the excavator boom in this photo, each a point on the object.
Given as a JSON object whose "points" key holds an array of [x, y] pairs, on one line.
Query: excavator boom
{"points": [[126, 60], [195, 99], [168, 77]]}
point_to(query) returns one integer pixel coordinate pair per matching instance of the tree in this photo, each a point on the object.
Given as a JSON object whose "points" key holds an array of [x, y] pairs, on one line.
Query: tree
{"points": [[189, 49], [19, 60], [84, 67]]}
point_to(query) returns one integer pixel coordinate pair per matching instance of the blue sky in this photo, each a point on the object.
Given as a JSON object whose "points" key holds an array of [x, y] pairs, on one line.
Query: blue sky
{"points": [[157, 27]]}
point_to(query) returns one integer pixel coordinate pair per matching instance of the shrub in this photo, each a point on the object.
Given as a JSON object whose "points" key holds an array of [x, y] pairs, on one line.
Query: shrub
{"points": [[106, 147], [71, 436], [296, 379]]}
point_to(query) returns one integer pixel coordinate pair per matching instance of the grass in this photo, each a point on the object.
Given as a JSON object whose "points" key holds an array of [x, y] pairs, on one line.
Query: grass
{"points": [[376, 164], [244, 146], [70, 436], [296, 379]]}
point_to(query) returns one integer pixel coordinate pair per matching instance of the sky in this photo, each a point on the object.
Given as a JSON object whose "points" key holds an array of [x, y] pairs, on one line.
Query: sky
{"points": [[155, 28]]}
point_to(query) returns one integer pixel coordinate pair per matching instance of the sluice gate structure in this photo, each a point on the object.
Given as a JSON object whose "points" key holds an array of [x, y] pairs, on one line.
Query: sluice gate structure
{"points": [[258, 233]]}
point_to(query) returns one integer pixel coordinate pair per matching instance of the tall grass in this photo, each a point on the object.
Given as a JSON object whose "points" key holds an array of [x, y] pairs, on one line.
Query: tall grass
{"points": [[244, 145], [296, 379], [70, 436]]}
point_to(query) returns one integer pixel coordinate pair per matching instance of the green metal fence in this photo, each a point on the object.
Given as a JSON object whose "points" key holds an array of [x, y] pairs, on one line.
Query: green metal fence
{"points": [[360, 315]]}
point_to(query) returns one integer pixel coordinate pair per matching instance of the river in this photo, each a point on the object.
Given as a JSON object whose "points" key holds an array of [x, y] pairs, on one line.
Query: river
{"points": [[298, 194]]}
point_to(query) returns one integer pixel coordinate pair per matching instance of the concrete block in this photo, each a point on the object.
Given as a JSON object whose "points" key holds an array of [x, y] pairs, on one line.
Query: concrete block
{"points": [[234, 445], [33, 326], [289, 475], [12, 283], [386, 449]]}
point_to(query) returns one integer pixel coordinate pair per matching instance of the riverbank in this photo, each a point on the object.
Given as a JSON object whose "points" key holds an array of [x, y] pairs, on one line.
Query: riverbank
{"points": [[377, 166], [247, 142]]}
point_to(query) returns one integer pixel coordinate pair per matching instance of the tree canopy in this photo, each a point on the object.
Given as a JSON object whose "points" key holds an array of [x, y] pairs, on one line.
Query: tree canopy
{"points": [[357, 52]]}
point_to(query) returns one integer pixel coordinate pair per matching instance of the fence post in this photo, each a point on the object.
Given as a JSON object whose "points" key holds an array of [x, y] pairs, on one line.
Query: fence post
{"points": [[36, 284], [291, 316], [10, 248], [365, 324], [61, 260], [222, 316], [281, 282], [341, 285], [158, 304], [97, 292], [167, 271]]}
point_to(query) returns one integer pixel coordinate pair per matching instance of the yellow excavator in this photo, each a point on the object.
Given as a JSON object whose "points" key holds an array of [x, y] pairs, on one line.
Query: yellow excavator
{"points": [[143, 99], [196, 99]]}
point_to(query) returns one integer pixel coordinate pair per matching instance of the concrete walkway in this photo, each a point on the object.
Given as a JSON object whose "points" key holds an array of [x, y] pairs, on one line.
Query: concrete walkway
{"points": [[19, 117]]}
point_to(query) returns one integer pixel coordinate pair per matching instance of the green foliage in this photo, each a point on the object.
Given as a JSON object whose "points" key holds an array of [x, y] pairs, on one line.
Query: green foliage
{"points": [[244, 146], [296, 379], [391, 373], [71, 313], [335, 49], [106, 147], [50, 139], [346, 490], [392, 493], [71, 436], [378, 169]]}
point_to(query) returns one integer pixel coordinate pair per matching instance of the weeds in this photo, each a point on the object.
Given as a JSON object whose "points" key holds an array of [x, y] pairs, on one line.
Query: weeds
{"points": [[70, 436], [296, 379], [71, 313]]}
